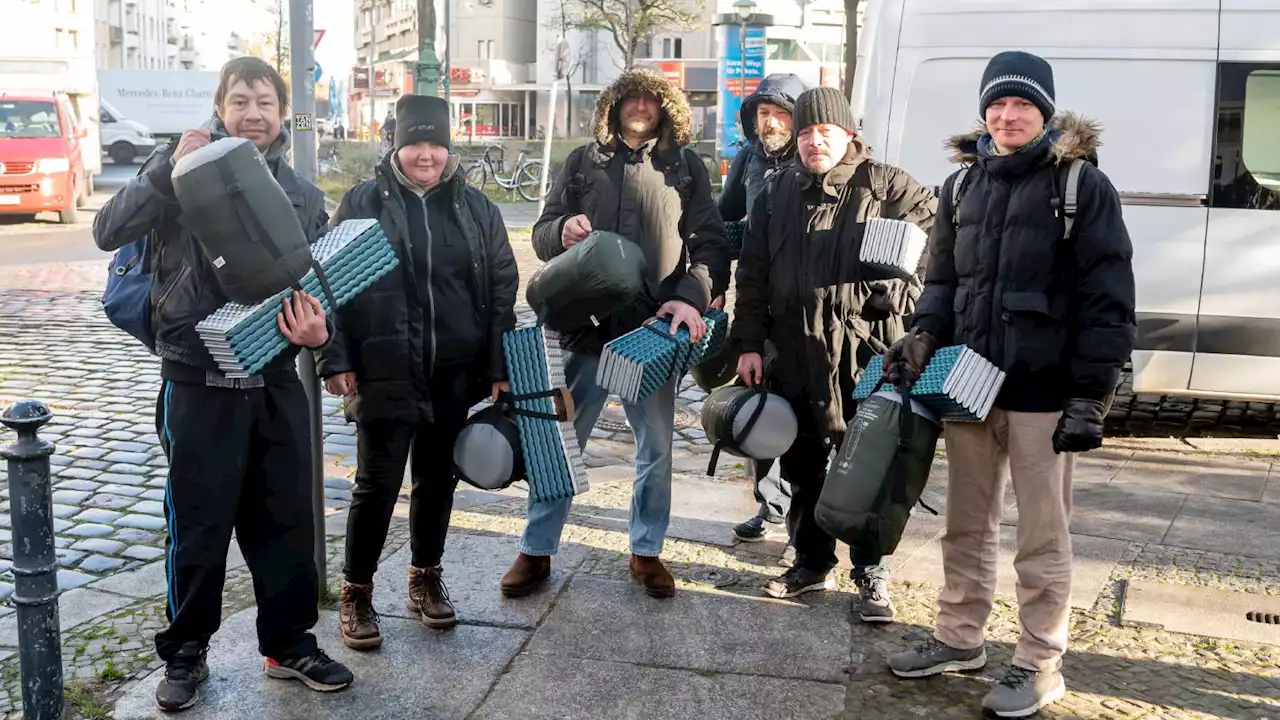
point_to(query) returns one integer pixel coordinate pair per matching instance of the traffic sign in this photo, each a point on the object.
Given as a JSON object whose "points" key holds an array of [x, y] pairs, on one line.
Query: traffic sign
{"points": [[319, 71], [319, 36]]}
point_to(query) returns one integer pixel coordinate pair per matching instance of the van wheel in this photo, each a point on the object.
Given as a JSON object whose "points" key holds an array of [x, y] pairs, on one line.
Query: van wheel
{"points": [[122, 153], [1167, 415], [82, 197]]}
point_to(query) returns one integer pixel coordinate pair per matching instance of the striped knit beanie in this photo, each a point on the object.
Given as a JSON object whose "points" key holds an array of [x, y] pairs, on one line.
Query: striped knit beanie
{"points": [[1018, 74]]}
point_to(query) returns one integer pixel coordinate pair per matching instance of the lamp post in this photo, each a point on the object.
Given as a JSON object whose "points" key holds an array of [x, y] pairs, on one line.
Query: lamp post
{"points": [[745, 9]]}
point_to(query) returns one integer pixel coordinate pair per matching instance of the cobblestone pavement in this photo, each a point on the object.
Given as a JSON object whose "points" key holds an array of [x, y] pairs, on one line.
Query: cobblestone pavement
{"points": [[109, 478]]}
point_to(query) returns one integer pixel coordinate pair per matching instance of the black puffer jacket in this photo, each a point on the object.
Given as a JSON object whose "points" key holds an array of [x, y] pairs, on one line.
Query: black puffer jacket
{"points": [[383, 332], [807, 295], [1057, 316], [184, 290], [638, 194]]}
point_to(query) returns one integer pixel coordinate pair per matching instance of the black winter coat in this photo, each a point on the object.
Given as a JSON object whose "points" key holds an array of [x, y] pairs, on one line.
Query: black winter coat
{"points": [[382, 332], [808, 297], [1056, 315], [184, 289], [753, 165]]}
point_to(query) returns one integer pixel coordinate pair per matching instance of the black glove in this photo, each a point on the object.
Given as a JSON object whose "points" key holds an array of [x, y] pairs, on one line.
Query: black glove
{"points": [[906, 360], [1080, 427]]}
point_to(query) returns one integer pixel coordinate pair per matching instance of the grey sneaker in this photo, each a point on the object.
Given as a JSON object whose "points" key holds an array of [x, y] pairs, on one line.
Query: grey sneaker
{"points": [[874, 603], [934, 658], [797, 581], [1023, 692], [788, 556]]}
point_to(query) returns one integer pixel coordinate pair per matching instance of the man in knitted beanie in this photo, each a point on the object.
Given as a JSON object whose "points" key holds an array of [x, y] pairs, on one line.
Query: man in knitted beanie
{"points": [[799, 286]]}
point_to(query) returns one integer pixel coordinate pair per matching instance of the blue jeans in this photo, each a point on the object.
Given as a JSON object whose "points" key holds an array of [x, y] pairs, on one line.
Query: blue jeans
{"points": [[653, 422]]}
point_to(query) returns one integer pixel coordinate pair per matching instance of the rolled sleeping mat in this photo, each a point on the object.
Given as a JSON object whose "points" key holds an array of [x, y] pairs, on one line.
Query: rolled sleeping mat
{"points": [[242, 219], [487, 452], [588, 282], [734, 233], [748, 422]]}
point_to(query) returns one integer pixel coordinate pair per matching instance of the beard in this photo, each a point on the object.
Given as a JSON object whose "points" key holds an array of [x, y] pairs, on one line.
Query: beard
{"points": [[775, 140], [639, 126], [820, 164]]}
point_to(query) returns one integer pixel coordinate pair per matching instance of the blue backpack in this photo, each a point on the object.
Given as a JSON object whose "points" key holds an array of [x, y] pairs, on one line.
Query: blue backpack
{"points": [[127, 299]]}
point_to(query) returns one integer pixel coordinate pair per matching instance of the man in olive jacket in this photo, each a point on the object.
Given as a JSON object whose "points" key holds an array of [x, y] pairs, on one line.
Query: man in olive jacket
{"points": [[638, 179], [799, 285]]}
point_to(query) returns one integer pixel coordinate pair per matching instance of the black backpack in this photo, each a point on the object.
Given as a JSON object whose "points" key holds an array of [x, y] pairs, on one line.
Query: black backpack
{"points": [[1066, 203]]}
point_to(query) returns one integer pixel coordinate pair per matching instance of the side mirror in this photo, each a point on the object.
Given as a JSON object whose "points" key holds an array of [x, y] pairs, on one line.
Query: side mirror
{"points": [[82, 132]]}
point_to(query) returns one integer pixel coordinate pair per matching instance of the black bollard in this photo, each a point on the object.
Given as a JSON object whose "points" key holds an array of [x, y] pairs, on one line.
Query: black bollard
{"points": [[35, 564]]}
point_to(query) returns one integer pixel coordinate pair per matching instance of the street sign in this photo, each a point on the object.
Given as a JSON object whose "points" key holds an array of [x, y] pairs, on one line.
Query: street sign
{"points": [[319, 71], [302, 122], [319, 36]]}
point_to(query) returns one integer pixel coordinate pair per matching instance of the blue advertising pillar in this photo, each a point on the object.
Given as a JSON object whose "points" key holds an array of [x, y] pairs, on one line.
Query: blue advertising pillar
{"points": [[741, 70]]}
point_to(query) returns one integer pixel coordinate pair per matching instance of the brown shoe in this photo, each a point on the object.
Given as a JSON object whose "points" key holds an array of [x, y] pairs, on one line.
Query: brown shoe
{"points": [[527, 574], [357, 619], [429, 598], [656, 579]]}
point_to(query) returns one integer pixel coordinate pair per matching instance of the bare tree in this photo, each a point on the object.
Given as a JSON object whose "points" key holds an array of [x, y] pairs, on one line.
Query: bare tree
{"points": [[280, 45], [561, 25], [633, 23], [850, 44]]}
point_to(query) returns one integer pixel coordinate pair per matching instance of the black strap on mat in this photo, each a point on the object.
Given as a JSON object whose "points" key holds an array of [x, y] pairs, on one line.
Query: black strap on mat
{"points": [[507, 401], [897, 466], [757, 391]]}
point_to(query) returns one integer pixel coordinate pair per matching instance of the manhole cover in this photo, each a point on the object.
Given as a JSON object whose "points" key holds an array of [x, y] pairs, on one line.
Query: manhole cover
{"points": [[688, 419], [613, 427], [715, 577]]}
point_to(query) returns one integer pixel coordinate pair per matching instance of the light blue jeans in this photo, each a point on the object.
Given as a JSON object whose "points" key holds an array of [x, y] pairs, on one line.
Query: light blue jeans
{"points": [[653, 422]]}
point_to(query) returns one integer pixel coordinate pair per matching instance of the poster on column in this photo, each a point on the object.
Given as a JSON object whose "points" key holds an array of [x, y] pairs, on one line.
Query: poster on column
{"points": [[738, 79]]}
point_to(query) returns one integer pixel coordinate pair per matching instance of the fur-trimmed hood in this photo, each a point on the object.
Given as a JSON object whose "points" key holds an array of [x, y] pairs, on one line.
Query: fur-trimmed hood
{"points": [[674, 129], [1074, 136]]}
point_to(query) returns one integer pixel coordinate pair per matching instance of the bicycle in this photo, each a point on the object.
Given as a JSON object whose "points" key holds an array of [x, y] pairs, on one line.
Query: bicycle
{"points": [[526, 179]]}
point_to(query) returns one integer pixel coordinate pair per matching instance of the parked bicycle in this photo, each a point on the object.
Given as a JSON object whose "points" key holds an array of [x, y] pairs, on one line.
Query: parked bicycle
{"points": [[526, 179]]}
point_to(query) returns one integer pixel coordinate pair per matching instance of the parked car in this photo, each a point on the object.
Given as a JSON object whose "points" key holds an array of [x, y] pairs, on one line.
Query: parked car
{"points": [[42, 166], [124, 139]]}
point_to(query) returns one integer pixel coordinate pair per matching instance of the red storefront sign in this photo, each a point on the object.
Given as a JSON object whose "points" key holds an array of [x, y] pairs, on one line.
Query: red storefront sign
{"points": [[674, 71]]}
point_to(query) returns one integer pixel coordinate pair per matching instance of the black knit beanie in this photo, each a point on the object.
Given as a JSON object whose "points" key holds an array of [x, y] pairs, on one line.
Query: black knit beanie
{"points": [[422, 118], [822, 105], [1018, 74]]}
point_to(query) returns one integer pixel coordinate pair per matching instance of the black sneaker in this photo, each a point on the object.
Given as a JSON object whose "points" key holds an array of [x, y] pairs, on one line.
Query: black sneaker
{"points": [[180, 688], [317, 671], [798, 581], [752, 530]]}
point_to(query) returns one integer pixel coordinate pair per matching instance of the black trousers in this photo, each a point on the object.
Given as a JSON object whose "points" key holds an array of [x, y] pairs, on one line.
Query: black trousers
{"points": [[383, 449], [804, 466], [238, 459]]}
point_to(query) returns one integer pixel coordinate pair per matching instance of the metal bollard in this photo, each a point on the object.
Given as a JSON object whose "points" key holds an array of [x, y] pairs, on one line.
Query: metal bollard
{"points": [[35, 564]]}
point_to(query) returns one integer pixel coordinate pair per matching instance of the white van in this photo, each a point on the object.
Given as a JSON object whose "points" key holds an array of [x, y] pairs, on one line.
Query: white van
{"points": [[1188, 92], [124, 139]]}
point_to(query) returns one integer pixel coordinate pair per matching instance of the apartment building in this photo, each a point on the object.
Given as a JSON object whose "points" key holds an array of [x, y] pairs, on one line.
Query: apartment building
{"points": [[136, 34]]}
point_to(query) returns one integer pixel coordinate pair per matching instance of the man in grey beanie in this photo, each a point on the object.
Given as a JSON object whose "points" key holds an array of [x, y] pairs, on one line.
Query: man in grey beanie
{"points": [[800, 287]]}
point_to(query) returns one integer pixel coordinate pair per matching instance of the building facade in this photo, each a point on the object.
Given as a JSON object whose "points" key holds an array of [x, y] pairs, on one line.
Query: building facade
{"points": [[136, 34]]}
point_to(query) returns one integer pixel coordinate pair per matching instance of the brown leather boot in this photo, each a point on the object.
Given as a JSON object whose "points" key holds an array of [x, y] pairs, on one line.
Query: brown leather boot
{"points": [[526, 575], [653, 575], [430, 598], [357, 620]]}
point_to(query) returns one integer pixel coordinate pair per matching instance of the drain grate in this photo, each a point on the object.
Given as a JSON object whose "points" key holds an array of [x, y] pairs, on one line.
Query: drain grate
{"points": [[1263, 617], [1250, 617]]}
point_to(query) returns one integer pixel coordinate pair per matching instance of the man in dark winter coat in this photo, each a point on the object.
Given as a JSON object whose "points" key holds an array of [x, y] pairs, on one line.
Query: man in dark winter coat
{"points": [[638, 179], [799, 286], [766, 122], [414, 353], [1057, 315], [239, 449]]}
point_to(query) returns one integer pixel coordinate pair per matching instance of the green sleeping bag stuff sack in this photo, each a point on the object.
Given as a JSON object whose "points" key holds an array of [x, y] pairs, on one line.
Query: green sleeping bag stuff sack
{"points": [[586, 283], [880, 473], [242, 219]]}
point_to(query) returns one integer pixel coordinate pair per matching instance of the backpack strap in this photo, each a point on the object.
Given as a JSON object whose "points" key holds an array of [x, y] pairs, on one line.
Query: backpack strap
{"points": [[1071, 196], [957, 190]]}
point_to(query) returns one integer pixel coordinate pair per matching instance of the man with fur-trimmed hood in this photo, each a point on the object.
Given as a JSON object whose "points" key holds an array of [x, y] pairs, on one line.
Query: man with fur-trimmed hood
{"points": [[1057, 315], [638, 179]]}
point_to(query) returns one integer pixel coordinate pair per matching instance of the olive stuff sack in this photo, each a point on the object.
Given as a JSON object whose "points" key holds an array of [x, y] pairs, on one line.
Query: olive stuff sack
{"points": [[242, 219], [879, 474], [586, 283]]}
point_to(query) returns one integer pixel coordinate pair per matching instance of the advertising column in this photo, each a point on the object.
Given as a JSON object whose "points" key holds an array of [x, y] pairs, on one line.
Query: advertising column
{"points": [[738, 79]]}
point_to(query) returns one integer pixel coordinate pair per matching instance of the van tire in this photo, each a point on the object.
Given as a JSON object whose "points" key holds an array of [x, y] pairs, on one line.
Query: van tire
{"points": [[68, 217], [1177, 416], [123, 153]]}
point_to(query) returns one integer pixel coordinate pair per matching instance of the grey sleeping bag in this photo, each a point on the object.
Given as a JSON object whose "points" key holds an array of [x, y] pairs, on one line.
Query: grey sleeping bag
{"points": [[586, 283]]}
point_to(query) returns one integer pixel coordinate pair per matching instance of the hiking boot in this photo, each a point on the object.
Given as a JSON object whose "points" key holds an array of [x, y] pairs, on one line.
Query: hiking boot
{"points": [[317, 671], [527, 574], [798, 581], [653, 575], [874, 603], [1023, 692], [180, 688], [430, 598], [752, 530], [357, 620], [934, 658]]}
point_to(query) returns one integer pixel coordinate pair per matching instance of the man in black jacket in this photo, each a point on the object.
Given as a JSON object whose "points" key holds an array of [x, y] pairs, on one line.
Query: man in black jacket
{"points": [[799, 285], [238, 449], [766, 122], [1053, 306], [414, 352], [637, 179]]}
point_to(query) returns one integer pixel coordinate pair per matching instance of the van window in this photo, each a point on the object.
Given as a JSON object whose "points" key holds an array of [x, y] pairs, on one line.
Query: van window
{"points": [[105, 116], [29, 119], [1246, 162]]}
